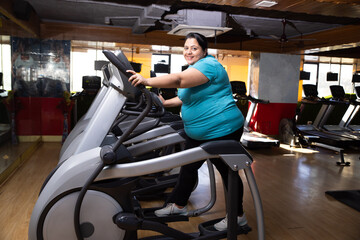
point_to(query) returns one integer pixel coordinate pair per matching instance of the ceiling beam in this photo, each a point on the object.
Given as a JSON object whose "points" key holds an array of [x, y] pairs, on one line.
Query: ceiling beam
{"points": [[333, 37], [31, 26], [70, 31], [349, 8]]}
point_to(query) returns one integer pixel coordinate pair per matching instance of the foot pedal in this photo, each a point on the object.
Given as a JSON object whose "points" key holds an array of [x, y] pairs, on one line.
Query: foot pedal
{"points": [[208, 228], [150, 215]]}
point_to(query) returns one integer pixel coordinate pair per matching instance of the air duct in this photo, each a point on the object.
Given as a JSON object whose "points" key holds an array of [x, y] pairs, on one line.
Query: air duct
{"points": [[207, 23], [139, 17]]}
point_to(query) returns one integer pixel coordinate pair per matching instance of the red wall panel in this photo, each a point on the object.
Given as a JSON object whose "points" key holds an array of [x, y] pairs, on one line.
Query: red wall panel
{"points": [[39, 116]]}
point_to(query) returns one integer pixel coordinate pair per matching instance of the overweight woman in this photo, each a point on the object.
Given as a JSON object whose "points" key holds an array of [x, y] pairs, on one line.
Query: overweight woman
{"points": [[208, 112]]}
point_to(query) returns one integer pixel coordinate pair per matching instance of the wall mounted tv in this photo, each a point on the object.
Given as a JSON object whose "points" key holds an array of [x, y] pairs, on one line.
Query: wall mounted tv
{"points": [[356, 78], [330, 76], [304, 75]]}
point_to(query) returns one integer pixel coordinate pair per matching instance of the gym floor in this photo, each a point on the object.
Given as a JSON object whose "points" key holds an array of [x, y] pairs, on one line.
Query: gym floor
{"points": [[292, 185]]}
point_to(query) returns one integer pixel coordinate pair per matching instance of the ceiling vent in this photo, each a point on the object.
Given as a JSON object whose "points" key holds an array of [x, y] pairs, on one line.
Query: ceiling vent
{"points": [[266, 3], [138, 17], [207, 23]]}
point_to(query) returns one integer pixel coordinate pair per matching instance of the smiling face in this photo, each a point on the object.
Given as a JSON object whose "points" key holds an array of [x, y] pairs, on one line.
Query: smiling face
{"points": [[193, 51]]}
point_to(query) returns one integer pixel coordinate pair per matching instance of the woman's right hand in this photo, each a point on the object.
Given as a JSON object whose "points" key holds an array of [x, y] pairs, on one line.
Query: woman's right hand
{"points": [[137, 79]]}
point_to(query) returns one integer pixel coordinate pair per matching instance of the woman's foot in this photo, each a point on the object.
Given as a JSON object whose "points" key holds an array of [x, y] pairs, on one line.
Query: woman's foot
{"points": [[171, 209], [222, 225]]}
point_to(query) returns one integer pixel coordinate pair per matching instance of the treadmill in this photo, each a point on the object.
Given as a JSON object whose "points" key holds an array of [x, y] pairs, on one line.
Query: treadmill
{"points": [[352, 122], [250, 138], [313, 131], [338, 99]]}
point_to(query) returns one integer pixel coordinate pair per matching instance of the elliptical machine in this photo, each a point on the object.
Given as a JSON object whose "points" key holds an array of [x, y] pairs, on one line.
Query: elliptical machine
{"points": [[89, 195]]}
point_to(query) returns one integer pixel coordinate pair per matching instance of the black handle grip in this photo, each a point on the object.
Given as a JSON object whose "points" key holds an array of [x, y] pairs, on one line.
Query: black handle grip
{"points": [[114, 60]]}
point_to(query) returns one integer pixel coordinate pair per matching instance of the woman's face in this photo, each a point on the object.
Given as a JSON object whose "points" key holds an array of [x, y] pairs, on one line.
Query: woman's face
{"points": [[192, 51]]}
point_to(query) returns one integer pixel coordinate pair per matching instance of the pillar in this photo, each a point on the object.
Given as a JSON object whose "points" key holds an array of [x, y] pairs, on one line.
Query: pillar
{"points": [[274, 77]]}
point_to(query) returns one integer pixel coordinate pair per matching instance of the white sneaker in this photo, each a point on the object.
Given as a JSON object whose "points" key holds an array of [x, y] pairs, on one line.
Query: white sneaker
{"points": [[171, 209], [222, 225]]}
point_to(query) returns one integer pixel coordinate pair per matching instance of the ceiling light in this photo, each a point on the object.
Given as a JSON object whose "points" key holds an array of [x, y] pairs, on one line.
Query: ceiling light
{"points": [[266, 3], [160, 48], [212, 51]]}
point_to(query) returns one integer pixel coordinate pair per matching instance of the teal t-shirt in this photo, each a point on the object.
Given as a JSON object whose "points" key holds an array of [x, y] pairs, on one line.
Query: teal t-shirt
{"points": [[209, 110]]}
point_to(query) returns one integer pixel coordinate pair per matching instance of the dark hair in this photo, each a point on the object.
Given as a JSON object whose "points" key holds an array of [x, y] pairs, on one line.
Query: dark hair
{"points": [[200, 39]]}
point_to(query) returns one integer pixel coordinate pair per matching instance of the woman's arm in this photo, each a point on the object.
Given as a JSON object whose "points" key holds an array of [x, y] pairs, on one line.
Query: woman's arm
{"points": [[191, 77], [172, 102]]}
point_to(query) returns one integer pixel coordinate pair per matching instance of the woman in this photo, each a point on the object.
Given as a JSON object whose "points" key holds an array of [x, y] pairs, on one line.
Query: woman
{"points": [[209, 113]]}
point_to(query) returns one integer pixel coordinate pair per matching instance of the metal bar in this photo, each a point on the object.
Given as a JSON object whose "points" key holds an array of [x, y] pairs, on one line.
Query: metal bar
{"points": [[257, 202]]}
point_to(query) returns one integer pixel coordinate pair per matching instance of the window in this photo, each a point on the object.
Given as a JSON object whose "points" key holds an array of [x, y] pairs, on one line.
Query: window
{"points": [[5, 65], [83, 64], [319, 73], [346, 77], [323, 84], [313, 69], [161, 64], [177, 62]]}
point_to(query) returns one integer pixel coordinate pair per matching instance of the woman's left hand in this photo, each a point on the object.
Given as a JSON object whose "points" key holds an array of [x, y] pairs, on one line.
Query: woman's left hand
{"points": [[161, 98], [137, 79]]}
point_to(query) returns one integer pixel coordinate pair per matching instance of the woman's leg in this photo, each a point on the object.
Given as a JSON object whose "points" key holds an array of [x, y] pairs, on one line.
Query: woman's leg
{"points": [[187, 177], [185, 184], [188, 173]]}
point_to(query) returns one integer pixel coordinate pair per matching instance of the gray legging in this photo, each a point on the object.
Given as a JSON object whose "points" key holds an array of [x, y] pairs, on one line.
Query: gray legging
{"points": [[188, 173]]}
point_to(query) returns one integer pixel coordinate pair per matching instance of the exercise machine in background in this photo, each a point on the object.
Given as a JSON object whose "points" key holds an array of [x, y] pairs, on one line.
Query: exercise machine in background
{"points": [[345, 113], [84, 99], [250, 138], [352, 122], [310, 133]]}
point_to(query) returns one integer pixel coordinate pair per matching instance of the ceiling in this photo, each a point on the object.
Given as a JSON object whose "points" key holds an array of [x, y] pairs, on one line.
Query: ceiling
{"points": [[324, 27]]}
